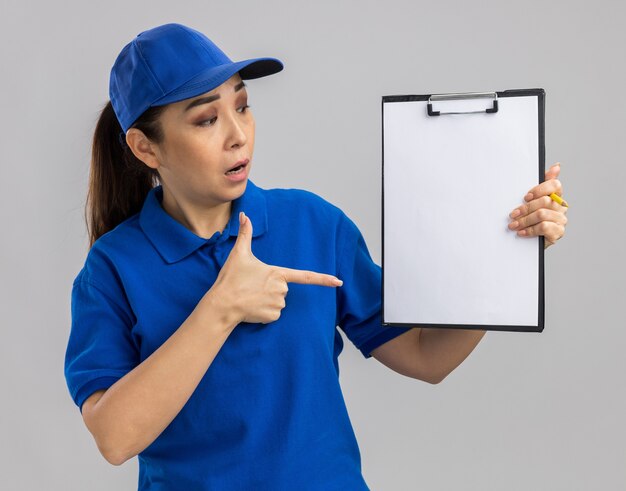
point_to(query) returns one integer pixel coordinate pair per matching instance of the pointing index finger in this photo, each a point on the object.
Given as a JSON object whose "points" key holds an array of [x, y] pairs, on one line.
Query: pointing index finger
{"points": [[309, 277]]}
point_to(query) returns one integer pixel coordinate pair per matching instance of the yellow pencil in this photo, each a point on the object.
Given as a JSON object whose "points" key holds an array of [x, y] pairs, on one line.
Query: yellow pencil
{"points": [[559, 200]]}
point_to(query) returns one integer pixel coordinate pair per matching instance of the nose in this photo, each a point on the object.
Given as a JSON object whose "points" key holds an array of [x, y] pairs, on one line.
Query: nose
{"points": [[235, 132]]}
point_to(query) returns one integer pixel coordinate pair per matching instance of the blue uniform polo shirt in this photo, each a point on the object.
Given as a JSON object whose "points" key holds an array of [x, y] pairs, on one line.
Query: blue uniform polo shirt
{"points": [[269, 413]]}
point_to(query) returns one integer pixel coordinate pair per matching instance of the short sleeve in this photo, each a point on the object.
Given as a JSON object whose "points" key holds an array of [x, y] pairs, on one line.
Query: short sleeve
{"points": [[100, 348], [360, 296]]}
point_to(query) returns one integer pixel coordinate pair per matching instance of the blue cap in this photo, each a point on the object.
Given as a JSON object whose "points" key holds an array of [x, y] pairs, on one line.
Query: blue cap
{"points": [[170, 63]]}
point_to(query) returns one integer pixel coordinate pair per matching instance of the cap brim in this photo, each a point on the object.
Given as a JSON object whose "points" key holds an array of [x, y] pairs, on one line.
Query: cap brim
{"points": [[215, 76]]}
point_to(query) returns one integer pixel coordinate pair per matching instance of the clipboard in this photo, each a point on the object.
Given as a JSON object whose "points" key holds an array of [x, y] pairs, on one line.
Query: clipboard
{"points": [[453, 167]]}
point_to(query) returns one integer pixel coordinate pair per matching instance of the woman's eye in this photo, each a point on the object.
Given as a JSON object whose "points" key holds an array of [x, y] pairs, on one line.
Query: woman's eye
{"points": [[207, 122], [211, 121]]}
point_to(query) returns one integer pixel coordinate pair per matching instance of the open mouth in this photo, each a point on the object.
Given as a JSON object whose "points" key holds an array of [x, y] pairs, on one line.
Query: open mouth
{"points": [[236, 170]]}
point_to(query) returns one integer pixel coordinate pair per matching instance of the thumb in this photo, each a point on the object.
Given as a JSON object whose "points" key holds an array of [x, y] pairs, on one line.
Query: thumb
{"points": [[553, 171], [244, 237]]}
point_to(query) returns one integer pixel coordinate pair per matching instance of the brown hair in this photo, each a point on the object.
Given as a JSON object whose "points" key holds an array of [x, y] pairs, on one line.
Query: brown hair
{"points": [[118, 181]]}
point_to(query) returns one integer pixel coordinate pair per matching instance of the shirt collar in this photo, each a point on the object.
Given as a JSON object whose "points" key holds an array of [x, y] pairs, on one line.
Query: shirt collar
{"points": [[174, 241]]}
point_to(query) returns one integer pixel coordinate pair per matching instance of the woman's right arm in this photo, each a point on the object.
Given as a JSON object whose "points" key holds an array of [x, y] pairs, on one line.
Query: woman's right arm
{"points": [[133, 412]]}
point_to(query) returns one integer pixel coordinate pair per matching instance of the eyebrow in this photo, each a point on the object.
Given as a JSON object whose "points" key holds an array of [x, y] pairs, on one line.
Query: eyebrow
{"points": [[211, 98]]}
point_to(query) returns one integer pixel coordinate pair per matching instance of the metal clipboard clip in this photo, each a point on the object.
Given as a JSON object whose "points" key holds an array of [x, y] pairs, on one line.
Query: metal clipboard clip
{"points": [[461, 96]]}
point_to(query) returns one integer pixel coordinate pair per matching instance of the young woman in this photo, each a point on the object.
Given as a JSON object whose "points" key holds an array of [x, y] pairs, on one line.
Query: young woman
{"points": [[204, 321]]}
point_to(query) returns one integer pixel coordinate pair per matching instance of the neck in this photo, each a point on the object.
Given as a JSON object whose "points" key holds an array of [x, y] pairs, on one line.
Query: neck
{"points": [[201, 220]]}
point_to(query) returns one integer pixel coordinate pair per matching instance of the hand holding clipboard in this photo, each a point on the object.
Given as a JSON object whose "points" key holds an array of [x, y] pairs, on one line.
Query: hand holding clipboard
{"points": [[530, 222], [453, 262]]}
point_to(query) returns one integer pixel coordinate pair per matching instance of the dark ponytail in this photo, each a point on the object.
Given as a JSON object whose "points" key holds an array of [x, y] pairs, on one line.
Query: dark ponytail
{"points": [[118, 181]]}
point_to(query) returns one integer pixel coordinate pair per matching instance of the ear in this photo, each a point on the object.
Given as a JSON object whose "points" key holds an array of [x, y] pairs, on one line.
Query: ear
{"points": [[143, 148]]}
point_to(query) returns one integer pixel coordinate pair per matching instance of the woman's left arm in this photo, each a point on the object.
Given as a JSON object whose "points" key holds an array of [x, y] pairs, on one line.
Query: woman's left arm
{"points": [[432, 354]]}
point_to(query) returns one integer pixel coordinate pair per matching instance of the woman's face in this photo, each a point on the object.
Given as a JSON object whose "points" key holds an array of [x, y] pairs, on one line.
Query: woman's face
{"points": [[203, 140]]}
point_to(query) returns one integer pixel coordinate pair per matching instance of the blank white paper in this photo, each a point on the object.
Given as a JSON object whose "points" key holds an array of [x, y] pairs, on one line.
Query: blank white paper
{"points": [[450, 182]]}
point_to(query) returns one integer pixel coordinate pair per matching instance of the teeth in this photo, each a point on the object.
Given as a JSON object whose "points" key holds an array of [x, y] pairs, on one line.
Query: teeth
{"points": [[235, 170]]}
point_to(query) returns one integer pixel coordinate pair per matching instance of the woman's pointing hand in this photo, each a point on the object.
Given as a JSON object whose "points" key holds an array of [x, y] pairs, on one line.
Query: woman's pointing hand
{"points": [[253, 291]]}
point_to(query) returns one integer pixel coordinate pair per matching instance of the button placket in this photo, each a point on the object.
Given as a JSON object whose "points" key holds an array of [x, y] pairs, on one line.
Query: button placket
{"points": [[220, 252], [208, 249]]}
